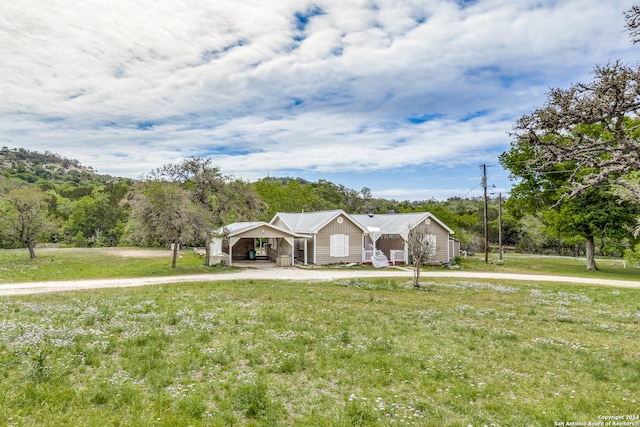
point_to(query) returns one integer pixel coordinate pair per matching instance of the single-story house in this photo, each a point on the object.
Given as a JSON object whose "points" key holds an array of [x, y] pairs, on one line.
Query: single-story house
{"points": [[333, 237]]}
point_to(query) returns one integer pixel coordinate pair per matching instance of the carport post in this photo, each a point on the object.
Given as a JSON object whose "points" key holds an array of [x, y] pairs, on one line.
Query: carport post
{"points": [[232, 242]]}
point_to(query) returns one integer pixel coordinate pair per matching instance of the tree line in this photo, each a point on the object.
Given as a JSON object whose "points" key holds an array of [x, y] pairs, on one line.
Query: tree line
{"points": [[183, 203]]}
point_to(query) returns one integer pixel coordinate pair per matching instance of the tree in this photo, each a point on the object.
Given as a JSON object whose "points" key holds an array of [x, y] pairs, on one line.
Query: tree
{"points": [[632, 16], [420, 249], [591, 128], [24, 217], [562, 132], [584, 143], [97, 218], [216, 199], [595, 214], [288, 195], [578, 217], [162, 212]]}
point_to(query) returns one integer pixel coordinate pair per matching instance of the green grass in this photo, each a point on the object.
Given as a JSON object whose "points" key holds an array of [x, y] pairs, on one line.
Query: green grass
{"points": [[562, 266], [95, 263], [351, 353]]}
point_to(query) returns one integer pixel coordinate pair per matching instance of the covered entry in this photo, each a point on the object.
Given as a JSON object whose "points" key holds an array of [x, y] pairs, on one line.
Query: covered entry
{"points": [[253, 240]]}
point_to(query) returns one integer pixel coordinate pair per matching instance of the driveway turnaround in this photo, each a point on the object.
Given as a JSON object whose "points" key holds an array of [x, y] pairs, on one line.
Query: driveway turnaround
{"points": [[298, 275]]}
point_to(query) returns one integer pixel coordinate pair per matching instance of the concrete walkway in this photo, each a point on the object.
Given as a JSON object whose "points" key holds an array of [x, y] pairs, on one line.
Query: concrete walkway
{"points": [[296, 274]]}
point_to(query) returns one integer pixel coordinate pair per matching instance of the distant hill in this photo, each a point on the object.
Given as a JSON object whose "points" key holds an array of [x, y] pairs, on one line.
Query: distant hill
{"points": [[32, 167]]}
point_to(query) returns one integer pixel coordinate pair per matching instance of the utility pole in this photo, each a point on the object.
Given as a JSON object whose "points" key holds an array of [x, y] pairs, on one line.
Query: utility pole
{"points": [[486, 215], [500, 225]]}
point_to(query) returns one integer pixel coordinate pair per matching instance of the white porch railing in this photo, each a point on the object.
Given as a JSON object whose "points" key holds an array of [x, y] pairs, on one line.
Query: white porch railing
{"points": [[397, 256], [367, 255]]}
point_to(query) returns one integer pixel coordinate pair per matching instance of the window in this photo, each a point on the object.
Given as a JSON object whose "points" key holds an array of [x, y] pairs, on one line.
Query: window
{"points": [[431, 238], [339, 245]]}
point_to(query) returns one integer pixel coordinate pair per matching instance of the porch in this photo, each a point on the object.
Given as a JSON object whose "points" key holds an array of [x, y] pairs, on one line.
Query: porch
{"points": [[392, 246], [394, 256]]}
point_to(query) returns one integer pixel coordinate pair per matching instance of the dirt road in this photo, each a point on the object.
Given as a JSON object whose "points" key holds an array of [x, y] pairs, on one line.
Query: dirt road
{"points": [[293, 274]]}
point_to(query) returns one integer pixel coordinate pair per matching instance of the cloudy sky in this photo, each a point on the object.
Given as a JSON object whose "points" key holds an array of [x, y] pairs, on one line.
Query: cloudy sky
{"points": [[406, 97]]}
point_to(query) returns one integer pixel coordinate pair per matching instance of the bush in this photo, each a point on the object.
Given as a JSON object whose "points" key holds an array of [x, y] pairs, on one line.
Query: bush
{"points": [[632, 256]]}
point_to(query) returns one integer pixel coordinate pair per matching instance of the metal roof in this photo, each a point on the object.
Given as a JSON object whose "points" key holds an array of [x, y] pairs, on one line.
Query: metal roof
{"points": [[397, 223], [237, 228]]}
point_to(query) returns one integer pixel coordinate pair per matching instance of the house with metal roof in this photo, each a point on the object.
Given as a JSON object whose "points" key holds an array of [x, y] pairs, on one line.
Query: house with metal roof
{"points": [[332, 237]]}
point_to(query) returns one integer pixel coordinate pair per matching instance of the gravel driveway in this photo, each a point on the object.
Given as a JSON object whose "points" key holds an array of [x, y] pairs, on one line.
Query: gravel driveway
{"points": [[293, 274]]}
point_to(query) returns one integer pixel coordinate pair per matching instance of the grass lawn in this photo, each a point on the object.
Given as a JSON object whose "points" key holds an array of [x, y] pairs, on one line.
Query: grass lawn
{"points": [[348, 353], [561, 266], [96, 263], [100, 263]]}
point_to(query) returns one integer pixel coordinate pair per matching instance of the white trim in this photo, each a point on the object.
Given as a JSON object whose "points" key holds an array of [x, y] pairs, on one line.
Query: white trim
{"points": [[406, 252]]}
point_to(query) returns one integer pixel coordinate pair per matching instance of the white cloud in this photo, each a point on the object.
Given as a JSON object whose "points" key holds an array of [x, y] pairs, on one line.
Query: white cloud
{"points": [[128, 86]]}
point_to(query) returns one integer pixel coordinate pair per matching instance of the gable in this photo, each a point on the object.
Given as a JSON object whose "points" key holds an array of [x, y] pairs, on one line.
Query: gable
{"points": [[400, 223], [257, 229], [341, 224], [312, 222]]}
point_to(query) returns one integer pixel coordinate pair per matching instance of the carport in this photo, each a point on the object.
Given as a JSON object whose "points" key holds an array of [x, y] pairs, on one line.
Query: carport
{"points": [[242, 237]]}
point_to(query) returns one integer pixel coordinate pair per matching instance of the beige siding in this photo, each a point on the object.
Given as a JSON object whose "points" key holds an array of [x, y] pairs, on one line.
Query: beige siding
{"points": [[279, 223], [355, 242], [442, 242], [280, 247]]}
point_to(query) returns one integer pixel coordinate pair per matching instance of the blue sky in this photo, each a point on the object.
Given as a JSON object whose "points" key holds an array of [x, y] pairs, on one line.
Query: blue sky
{"points": [[405, 97]]}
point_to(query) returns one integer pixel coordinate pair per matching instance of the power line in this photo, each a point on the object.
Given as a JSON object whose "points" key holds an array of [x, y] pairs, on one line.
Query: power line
{"points": [[471, 190]]}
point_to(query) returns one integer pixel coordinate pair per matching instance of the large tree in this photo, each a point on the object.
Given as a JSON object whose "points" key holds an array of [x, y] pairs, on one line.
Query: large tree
{"points": [[24, 217], [584, 144], [562, 131], [217, 199], [595, 215], [591, 128], [584, 215], [579, 150], [162, 212]]}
